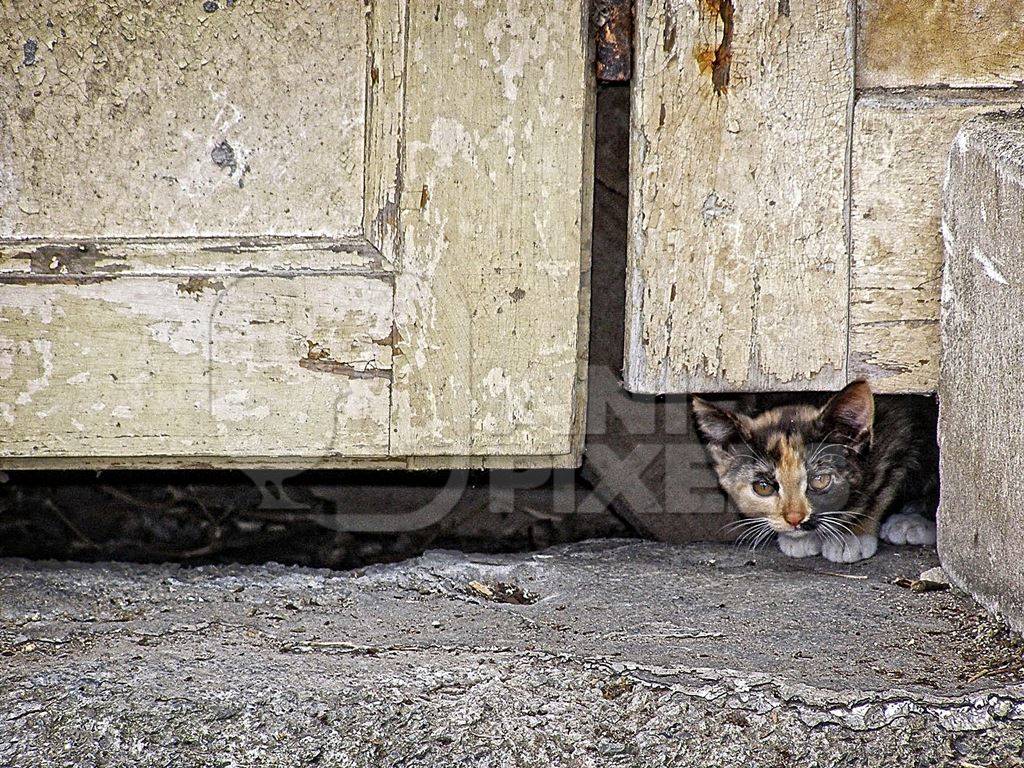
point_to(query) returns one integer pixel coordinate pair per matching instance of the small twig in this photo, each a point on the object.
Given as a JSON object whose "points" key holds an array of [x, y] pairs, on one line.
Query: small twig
{"points": [[987, 672], [854, 576], [73, 528], [127, 498]]}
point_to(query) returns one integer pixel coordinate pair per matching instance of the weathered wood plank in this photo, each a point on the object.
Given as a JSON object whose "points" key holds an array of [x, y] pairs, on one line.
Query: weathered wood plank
{"points": [[900, 146], [187, 256], [960, 43], [495, 218], [737, 276], [385, 104], [477, 205], [153, 118], [298, 463], [196, 368]]}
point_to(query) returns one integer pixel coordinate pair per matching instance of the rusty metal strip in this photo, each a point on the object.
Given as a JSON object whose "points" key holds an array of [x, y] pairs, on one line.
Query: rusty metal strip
{"points": [[613, 22]]}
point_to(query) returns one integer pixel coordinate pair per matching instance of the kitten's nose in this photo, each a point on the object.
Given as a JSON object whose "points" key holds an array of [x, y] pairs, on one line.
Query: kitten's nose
{"points": [[794, 516]]}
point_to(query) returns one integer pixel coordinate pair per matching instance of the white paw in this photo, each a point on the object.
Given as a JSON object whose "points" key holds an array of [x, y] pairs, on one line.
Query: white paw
{"points": [[908, 528], [808, 545], [849, 548]]}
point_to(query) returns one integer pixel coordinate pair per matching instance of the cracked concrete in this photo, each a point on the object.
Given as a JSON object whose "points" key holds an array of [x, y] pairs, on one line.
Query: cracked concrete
{"points": [[606, 653]]}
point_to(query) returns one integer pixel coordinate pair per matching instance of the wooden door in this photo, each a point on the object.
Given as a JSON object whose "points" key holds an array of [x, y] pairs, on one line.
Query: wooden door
{"points": [[786, 181], [346, 233]]}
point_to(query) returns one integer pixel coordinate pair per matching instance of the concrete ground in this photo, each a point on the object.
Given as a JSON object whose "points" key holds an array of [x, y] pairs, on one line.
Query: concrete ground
{"points": [[603, 653]]}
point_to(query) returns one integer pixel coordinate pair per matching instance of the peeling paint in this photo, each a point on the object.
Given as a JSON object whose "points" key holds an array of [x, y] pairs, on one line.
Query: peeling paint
{"points": [[722, 62], [392, 339], [738, 264], [326, 365], [236, 405], [713, 208], [29, 50], [195, 286], [80, 259], [514, 136], [6, 362], [216, 243], [42, 348], [168, 373], [223, 156], [148, 96]]}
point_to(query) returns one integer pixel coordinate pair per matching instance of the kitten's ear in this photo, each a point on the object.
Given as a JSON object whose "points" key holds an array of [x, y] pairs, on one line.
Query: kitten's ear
{"points": [[850, 412], [718, 425]]}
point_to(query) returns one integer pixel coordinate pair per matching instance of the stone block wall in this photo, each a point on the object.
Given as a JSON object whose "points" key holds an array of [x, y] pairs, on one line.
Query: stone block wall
{"points": [[981, 386]]}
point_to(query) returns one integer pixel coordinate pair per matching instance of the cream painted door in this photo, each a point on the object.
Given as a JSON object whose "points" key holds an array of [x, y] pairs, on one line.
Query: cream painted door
{"points": [[347, 233], [738, 269]]}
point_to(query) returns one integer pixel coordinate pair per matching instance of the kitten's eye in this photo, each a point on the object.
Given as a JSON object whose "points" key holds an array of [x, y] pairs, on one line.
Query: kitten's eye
{"points": [[820, 481], [763, 488]]}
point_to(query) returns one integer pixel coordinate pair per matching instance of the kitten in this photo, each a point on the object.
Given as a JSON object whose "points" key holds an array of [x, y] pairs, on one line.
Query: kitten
{"points": [[824, 478]]}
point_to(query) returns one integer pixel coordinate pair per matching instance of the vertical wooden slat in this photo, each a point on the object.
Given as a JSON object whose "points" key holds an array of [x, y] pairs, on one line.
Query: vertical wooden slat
{"points": [[496, 229], [737, 276], [385, 103]]}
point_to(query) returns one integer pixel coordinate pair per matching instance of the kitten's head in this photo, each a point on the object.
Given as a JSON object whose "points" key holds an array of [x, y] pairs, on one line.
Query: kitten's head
{"points": [[793, 465]]}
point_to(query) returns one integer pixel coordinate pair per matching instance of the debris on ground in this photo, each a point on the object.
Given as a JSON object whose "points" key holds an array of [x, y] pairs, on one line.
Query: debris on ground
{"points": [[501, 592]]}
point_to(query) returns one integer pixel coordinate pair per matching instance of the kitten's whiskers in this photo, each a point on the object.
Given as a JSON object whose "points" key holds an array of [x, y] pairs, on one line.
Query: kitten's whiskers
{"points": [[755, 531], [824, 445], [737, 524], [830, 531]]}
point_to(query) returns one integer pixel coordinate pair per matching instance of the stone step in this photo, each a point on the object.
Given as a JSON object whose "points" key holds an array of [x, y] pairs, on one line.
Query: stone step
{"points": [[602, 653]]}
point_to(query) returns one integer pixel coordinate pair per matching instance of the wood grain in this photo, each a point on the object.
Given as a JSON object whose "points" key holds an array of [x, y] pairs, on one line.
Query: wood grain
{"points": [[385, 108], [961, 43], [737, 275], [126, 119], [495, 216], [196, 368], [200, 256]]}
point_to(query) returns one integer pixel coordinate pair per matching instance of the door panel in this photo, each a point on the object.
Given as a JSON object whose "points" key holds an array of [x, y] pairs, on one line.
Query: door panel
{"points": [[489, 305], [738, 270], [204, 367], [129, 119], [331, 234]]}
